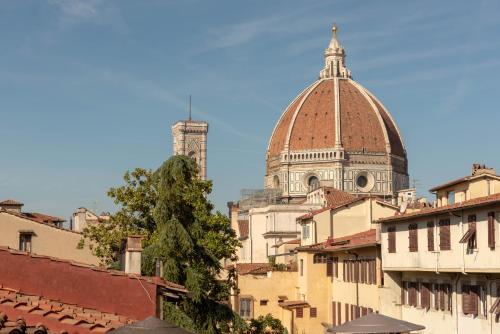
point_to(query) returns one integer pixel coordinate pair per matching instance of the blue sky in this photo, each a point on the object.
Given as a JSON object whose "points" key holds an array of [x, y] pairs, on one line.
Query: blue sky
{"points": [[89, 89]]}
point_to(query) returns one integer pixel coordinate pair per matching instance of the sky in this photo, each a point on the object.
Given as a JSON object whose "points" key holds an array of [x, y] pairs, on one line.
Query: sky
{"points": [[90, 88]]}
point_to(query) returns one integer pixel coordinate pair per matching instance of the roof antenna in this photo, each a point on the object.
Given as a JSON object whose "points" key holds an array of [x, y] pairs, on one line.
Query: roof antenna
{"points": [[189, 106]]}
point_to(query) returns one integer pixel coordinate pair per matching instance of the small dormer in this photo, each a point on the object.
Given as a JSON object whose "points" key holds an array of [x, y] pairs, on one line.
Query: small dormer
{"points": [[11, 205], [483, 181]]}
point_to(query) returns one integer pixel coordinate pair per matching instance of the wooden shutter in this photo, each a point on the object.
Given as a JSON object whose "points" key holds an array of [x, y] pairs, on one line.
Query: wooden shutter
{"points": [[412, 294], [444, 234], [472, 243], [334, 314], [346, 312], [470, 296], [339, 313], [491, 230], [364, 311], [344, 270], [425, 296], [313, 312], [356, 271], [413, 237], [336, 267], [391, 232], [430, 236], [299, 312], [329, 267], [441, 297], [403, 293]]}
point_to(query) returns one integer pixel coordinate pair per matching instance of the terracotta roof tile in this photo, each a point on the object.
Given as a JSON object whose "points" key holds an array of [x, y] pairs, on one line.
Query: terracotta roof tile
{"points": [[292, 304], [336, 197], [314, 124], [251, 268], [362, 239], [480, 201]]}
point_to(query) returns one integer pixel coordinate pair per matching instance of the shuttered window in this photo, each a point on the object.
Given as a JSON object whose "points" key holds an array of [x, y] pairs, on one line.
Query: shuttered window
{"points": [[334, 314], [470, 299], [336, 267], [329, 267], [425, 295], [391, 235], [313, 312], [491, 230], [442, 297], [412, 294], [299, 312], [339, 313], [472, 242], [444, 234], [347, 312], [413, 237], [430, 236]]}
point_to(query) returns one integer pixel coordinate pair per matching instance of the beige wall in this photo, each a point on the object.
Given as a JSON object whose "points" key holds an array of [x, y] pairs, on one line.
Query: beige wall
{"points": [[439, 322], [315, 288], [46, 240], [268, 287], [483, 185], [482, 259]]}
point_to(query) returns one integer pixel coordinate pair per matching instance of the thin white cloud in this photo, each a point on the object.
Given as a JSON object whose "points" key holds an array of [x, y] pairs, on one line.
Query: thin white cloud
{"points": [[81, 9]]}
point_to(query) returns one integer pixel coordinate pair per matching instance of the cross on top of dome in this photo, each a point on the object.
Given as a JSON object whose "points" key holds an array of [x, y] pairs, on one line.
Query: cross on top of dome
{"points": [[334, 59]]}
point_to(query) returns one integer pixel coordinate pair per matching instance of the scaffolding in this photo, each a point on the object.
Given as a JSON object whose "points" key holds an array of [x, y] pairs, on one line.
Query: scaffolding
{"points": [[258, 198]]}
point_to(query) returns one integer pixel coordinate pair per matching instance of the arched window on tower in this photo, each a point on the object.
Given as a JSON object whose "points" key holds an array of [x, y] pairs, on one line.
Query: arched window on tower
{"points": [[276, 182], [192, 155]]}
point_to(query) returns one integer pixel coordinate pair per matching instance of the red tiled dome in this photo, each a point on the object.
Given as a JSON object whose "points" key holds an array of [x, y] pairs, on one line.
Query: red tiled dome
{"points": [[309, 122]]}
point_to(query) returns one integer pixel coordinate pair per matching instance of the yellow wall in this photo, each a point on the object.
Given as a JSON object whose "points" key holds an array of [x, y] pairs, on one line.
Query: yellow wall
{"points": [[46, 240], [268, 287]]}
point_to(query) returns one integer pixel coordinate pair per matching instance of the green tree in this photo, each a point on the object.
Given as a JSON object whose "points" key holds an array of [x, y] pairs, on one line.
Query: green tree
{"points": [[267, 325], [192, 241], [136, 199]]}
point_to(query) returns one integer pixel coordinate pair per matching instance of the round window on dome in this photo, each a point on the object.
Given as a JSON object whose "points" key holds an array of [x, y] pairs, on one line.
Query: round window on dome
{"points": [[362, 181], [365, 181]]}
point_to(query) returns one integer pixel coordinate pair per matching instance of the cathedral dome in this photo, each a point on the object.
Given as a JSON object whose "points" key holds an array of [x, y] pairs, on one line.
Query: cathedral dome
{"points": [[335, 121]]}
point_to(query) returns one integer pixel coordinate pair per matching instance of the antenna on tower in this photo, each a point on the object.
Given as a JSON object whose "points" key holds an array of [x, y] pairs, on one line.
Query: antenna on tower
{"points": [[189, 106]]}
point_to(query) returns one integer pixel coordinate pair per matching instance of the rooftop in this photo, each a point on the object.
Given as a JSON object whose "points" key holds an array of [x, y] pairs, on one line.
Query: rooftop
{"points": [[358, 240], [427, 211]]}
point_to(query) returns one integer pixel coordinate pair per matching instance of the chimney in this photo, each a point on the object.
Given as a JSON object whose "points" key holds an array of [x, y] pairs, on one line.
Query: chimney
{"points": [[11, 205], [133, 254]]}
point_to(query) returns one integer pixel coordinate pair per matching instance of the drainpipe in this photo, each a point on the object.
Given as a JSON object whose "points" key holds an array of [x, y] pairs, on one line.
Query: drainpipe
{"points": [[456, 303]]}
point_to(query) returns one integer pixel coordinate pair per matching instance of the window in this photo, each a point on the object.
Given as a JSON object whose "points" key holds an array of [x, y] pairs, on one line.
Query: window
{"points": [[313, 312], [473, 300], [470, 236], [320, 258], [425, 295], [25, 241], [313, 183], [442, 297], [361, 181], [391, 231], [305, 231], [491, 230], [451, 197], [246, 307], [301, 267], [412, 294], [413, 237], [430, 236], [444, 234], [263, 302], [299, 312]]}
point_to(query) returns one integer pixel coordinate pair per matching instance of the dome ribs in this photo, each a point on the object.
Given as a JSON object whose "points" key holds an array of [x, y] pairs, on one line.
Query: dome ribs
{"points": [[360, 128], [314, 127]]}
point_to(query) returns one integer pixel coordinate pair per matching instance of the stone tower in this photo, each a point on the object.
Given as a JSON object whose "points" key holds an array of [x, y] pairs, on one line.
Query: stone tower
{"points": [[190, 139]]}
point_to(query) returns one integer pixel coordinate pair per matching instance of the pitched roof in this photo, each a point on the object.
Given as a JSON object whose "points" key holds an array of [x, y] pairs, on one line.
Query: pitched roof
{"points": [[463, 179], [252, 268], [475, 202], [345, 203], [10, 202], [358, 240], [78, 291], [40, 218], [36, 311], [243, 228], [335, 197]]}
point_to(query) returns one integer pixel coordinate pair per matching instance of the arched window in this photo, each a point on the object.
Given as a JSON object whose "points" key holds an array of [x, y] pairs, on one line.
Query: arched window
{"points": [[192, 155], [276, 182], [313, 183]]}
